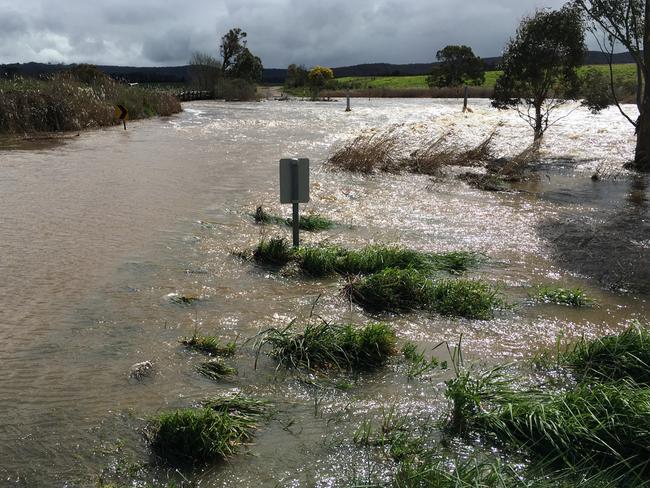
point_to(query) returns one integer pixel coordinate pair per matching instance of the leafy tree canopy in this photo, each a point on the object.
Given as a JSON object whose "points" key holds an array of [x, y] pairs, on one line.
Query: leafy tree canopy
{"points": [[540, 65], [458, 66]]}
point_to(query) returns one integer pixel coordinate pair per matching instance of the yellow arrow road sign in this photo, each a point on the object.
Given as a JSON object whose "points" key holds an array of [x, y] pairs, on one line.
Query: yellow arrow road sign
{"points": [[121, 112]]}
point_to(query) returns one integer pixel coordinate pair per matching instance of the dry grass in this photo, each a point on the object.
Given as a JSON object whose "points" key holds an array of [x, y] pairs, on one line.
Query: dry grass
{"points": [[66, 102], [513, 168], [377, 152], [366, 154]]}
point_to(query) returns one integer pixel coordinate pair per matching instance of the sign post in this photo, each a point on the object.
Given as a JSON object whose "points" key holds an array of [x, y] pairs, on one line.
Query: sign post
{"points": [[294, 189], [122, 114]]}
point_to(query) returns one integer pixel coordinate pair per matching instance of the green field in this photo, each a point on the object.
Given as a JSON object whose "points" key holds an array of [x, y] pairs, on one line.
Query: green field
{"points": [[624, 72]]}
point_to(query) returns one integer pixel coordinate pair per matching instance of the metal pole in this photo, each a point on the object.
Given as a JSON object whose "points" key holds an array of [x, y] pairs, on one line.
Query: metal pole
{"points": [[347, 108], [296, 225], [466, 96], [294, 197]]}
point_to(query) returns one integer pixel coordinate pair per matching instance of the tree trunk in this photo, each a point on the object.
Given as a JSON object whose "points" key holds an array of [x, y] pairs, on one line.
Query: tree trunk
{"points": [[642, 154], [539, 123]]}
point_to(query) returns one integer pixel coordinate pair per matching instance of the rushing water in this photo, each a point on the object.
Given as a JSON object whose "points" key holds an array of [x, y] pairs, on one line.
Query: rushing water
{"points": [[97, 232]]}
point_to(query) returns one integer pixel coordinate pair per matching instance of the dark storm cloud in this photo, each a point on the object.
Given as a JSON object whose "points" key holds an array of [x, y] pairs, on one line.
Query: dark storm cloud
{"points": [[335, 32]]}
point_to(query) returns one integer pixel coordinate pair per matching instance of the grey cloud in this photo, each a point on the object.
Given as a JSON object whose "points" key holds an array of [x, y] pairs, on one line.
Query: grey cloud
{"points": [[335, 32]]}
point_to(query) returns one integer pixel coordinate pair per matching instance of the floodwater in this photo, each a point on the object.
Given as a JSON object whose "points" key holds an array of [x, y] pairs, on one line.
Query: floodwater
{"points": [[97, 232]]}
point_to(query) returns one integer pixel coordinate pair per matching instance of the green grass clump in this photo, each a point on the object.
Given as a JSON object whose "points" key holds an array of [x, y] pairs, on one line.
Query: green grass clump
{"points": [[327, 260], [264, 218], [573, 297], [309, 223], [275, 252], [209, 344], [323, 346], [238, 406], [312, 223], [404, 290], [598, 425], [625, 355], [191, 435], [215, 369]]}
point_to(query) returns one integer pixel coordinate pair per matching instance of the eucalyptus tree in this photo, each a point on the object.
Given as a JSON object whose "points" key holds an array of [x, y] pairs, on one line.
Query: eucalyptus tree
{"points": [[540, 66], [624, 23]]}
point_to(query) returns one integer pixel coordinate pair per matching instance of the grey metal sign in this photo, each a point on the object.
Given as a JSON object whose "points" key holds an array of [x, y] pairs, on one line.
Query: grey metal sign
{"points": [[294, 180]]}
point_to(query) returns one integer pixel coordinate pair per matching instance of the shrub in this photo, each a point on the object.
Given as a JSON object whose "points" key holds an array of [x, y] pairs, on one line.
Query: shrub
{"points": [[236, 89]]}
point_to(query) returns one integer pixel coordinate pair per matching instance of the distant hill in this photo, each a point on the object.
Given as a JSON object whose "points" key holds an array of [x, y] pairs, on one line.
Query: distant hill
{"points": [[178, 74]]}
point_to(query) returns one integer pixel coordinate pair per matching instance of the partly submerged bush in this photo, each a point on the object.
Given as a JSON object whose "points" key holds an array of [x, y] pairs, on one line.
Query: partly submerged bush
{"points": [[625, 355], [235, 89], [323, 346], [403, 290], [573, 297]]}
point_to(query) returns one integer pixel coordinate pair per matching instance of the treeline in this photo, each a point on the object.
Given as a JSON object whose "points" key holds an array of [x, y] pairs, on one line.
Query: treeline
{"points": [[79, 98], [180, 74]]}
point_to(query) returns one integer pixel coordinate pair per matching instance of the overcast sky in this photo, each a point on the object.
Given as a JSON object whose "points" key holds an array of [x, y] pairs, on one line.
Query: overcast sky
{"points": [[332, 33]]}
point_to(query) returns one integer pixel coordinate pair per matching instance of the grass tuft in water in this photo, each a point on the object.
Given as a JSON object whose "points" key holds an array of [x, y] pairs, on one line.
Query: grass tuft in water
{"points": [[625, 355], [312, 223], [238, 405], [183, 299], [209, 344], [264, 218], [309, 223], [404, 290], [598, 425], [417, 363], [275, 251], [197, 435], [216, 369], [573, 297], [323, 346], [486, 182]]}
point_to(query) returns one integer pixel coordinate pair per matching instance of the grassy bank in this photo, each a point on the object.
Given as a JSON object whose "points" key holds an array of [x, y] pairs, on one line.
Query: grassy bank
{"points": [[75, 100], [416, 86]]}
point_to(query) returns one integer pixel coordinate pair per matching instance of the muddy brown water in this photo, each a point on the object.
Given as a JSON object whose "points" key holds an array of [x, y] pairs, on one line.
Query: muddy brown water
{"points": [[97, 232]]}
